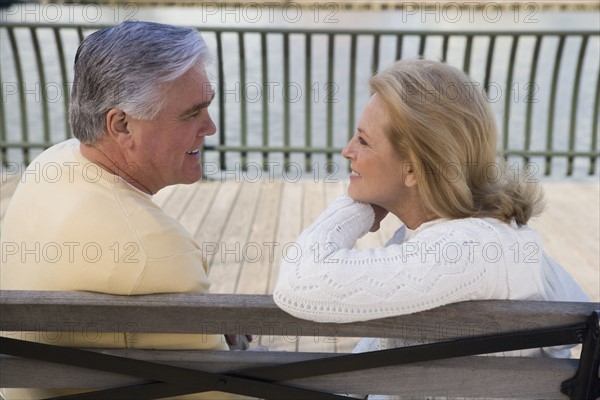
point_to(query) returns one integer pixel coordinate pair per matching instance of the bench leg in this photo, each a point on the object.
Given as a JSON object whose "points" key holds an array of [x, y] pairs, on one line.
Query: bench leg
{"points": [[586, 382]]}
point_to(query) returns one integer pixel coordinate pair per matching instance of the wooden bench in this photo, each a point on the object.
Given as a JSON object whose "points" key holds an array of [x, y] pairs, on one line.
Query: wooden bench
{"points": [[443, 368]]}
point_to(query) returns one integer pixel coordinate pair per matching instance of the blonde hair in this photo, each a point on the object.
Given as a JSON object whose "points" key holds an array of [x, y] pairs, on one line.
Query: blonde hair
{"points": [[440, 121]]}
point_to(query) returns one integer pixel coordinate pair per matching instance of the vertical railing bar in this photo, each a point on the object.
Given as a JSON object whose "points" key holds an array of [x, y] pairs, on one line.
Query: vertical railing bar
{"points": [[3, 124], [42, 77], [352, 87], [422, 44], [221, 80], [467, 59], [243, 102], [530, 93], [286, 100], [552, 105], [330, 100], [265, 100], [488, 64], [80, 33], [445, 48], [81, 38], [307, 100], [574, 102], [375, 59], [63, 73], [595, 127], [399, 40], [507, 98], [22, 100]]}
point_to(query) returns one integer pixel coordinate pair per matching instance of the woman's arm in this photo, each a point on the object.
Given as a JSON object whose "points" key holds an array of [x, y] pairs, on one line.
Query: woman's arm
{"points": [[328, 281]]}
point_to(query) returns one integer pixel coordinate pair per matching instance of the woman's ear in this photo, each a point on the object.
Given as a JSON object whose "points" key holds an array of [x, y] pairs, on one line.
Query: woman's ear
{"points": [[117, 127], [410, 177]]}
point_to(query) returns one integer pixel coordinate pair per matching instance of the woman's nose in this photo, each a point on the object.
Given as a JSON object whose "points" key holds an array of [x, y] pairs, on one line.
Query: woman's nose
{"points": [[347, 151]]}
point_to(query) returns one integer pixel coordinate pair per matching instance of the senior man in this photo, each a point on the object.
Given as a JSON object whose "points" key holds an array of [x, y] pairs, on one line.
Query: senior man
{"points": [[139, 113]]}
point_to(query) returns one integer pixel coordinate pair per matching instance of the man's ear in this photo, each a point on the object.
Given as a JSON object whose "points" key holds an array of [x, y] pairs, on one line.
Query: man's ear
{"points": [[117, 127], [410, 177]]}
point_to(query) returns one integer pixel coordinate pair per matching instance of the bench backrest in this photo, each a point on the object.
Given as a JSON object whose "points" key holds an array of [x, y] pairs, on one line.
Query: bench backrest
{"points": [[258, 315]]}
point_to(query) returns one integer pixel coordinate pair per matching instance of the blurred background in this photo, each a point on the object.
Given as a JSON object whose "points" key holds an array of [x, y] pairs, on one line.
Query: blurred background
{"points": [[291, 76]]}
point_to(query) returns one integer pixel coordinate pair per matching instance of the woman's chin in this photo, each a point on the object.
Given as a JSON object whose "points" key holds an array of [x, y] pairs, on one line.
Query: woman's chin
{"points": [[356, 196]]}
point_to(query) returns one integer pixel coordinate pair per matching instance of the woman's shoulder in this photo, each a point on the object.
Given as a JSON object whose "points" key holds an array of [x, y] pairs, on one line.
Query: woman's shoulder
{"points": [[472, 227]]}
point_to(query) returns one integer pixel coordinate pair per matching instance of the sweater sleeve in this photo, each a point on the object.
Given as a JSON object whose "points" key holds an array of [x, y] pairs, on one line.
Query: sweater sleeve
{"points": [[331, 282]]}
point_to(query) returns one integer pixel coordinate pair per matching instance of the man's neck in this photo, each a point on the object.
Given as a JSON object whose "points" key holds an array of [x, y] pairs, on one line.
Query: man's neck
{"points": [[113, 161]]}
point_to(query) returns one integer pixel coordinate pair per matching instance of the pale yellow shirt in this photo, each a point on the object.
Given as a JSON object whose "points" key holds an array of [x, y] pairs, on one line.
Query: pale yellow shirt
{"points": [[72, 226]]}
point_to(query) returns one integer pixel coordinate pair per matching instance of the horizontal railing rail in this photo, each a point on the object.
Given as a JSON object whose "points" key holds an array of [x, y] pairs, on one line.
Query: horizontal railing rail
{"points": [[293, 96]]}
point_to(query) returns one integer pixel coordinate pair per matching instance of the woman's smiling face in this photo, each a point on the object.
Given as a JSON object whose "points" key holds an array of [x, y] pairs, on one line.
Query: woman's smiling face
{"points": [[378, 172]]}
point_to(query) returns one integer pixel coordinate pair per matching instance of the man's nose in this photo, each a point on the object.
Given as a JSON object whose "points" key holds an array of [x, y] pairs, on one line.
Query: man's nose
{"points": [[209, 128]]}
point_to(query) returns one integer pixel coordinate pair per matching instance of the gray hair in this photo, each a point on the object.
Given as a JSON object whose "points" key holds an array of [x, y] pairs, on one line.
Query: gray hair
{"points": [[126, 67]]}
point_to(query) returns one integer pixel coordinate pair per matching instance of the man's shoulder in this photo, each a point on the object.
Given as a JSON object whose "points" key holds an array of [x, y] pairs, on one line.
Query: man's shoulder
{"points": [[60, 164], [57, 152]]}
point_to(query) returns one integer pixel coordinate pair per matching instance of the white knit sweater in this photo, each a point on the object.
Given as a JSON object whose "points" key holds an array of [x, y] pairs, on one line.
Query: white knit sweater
{"points": [[443, 261]]}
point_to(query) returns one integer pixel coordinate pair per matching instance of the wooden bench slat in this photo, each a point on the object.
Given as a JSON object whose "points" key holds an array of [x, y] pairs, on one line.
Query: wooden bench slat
{"points": [[258, 315], [465, 376]]}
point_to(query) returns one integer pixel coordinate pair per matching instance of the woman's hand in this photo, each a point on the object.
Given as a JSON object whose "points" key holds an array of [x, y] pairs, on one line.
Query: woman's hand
{"points": [[380, 214]]}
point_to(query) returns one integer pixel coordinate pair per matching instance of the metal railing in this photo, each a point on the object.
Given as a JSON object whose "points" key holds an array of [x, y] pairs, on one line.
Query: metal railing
{"points": [[294, 95]]}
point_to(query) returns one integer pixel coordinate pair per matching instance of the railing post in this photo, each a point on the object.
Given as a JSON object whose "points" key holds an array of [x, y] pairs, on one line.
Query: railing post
{"points": [[586, 382]]}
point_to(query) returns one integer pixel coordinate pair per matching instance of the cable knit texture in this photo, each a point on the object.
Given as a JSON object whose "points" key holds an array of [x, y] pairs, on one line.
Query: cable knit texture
{"points": [[443, 261]]}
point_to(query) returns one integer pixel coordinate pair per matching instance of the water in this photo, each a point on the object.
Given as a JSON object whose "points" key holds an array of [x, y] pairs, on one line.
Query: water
{"points": [[330, 16]]}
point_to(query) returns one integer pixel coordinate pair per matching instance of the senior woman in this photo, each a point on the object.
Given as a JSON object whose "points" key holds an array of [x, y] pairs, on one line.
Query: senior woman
{"points": [[425, 150]]}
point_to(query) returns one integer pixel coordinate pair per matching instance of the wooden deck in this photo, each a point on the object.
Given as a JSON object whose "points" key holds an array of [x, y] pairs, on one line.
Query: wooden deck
{"points": [[246, 228]]}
